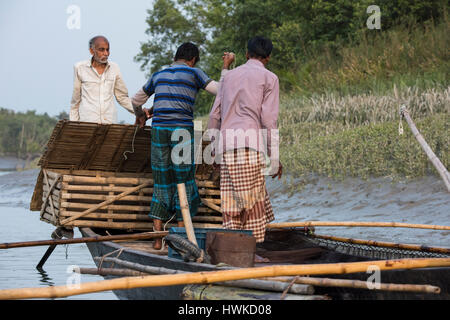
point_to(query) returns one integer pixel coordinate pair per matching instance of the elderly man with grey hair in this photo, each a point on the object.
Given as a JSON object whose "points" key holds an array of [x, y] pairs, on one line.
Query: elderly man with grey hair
{"points": [[96, 82]]}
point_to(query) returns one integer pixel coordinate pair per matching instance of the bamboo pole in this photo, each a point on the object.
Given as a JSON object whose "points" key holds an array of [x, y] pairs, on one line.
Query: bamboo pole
{"points": [[127, 180], [111, 272], [210, 203], [385, 244], [105, 203], [219, 276], [133, 216], [133, 225], [246, 283], [353, 224], [426, 148], [77, 187], [184, 205], [345, 283], [144, 235]]}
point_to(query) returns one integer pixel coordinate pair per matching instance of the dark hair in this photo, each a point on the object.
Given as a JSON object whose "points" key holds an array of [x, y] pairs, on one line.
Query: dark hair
{"points": [[187, 51], [259, 47], [92, 41]]}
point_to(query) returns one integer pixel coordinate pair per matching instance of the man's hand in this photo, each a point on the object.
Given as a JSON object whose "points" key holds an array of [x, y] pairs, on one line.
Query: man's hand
{"points": [[148, 113], [228, 58], [140, 121], [279, 172]]}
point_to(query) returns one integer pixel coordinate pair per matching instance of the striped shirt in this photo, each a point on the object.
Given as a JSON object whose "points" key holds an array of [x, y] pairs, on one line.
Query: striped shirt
{"points": [[175, 90]]}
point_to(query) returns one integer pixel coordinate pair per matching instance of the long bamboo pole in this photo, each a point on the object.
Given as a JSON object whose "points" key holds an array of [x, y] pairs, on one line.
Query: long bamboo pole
{"points": [[105, 203], [184, 205], [346, 283], [426, 148], [244, 283], [218, 276], [353, 224], [135, 236]]}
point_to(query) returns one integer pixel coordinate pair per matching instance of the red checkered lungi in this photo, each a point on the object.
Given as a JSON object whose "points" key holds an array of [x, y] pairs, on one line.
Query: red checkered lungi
{"points": [[244, 199]]}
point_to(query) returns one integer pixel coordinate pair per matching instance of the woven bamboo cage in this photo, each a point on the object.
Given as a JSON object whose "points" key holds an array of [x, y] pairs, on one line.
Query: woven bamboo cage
{"points": [[86, 164]]}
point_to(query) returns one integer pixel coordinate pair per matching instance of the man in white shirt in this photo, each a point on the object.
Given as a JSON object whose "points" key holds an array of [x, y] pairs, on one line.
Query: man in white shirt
{"points": [[96, 82]]}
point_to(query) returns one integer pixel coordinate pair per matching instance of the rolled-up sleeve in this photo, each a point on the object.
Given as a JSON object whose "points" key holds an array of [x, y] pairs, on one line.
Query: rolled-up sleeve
{"points": [[138, 100], [121, 93], [74, 114], [214, 115], [269, 114]]}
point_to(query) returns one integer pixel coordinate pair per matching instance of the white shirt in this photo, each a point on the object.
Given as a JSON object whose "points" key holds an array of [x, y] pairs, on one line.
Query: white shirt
{"points": [[92, 97]]}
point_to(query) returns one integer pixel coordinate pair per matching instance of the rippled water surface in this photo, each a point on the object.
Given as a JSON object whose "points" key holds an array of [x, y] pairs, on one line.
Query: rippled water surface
{"points": [[423, 201]]}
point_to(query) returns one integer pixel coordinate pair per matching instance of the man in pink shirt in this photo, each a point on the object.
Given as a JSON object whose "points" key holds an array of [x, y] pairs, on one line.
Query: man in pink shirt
{"points": [[243, 122]]}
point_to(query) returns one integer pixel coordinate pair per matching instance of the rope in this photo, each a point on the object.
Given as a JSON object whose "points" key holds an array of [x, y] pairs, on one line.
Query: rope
{"points": [[108, 254], [288, 288], [132, 144]]}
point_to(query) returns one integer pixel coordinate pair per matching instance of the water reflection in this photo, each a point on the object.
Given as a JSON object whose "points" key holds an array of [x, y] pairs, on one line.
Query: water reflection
{"points": [[44, 278]]}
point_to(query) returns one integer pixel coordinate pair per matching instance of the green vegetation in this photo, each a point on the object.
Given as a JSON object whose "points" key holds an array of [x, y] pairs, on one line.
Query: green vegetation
{"points": [[343, 84], [24, 135], [350, 137]]}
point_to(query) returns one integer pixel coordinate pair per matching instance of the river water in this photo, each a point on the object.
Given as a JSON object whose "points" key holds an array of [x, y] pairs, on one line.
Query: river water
{"points": [[423, 201]]}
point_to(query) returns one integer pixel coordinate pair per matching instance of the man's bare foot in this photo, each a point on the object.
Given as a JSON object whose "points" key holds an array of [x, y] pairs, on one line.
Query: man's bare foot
{"points": [[259, 259], [157, 244], [157, 226]]}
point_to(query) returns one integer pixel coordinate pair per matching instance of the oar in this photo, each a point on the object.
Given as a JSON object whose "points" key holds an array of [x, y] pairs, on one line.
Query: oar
{"points": [[44, 258], [57, 234], [134, 236]]}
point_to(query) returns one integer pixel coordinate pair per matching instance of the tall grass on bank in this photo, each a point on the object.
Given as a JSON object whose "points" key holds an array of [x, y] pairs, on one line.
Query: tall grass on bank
{"points": [[362, 109], [358, 135]]}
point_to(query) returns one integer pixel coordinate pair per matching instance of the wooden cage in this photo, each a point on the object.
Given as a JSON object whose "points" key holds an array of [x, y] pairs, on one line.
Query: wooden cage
{"points": [[87, 164]]}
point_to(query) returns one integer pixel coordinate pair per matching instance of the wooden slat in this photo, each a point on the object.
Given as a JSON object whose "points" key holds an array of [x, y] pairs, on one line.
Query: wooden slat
{"points": [[116, 216], [70, 187], [133, 225], [80, 196], [133, 217], [73, 205]]}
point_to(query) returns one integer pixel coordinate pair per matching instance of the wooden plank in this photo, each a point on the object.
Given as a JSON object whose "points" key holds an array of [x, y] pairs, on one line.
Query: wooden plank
{"points": [[132, 225], [106, 180], [117, 216], [73, 205], [70, 187], [133, 217], [65, 204], [100, 173], [80, 196]]}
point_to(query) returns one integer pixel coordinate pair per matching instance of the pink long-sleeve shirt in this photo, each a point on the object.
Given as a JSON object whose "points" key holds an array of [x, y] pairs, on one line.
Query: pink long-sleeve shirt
{"points": [[245, 111]]}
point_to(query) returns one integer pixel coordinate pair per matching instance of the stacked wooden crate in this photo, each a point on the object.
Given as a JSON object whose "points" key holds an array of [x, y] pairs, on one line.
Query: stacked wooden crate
{"points": [[68, 187]]}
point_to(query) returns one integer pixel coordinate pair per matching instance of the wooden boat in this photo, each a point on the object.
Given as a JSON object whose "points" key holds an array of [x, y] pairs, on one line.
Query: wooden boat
{"points": [[85, 172], [291, 246]]}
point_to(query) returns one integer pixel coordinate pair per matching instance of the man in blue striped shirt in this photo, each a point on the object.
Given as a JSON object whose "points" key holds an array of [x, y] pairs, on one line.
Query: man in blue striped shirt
{"points": [[175, 89]]}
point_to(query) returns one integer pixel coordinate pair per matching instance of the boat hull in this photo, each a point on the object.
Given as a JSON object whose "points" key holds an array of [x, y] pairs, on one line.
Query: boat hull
{"points": [[428, 276]]}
